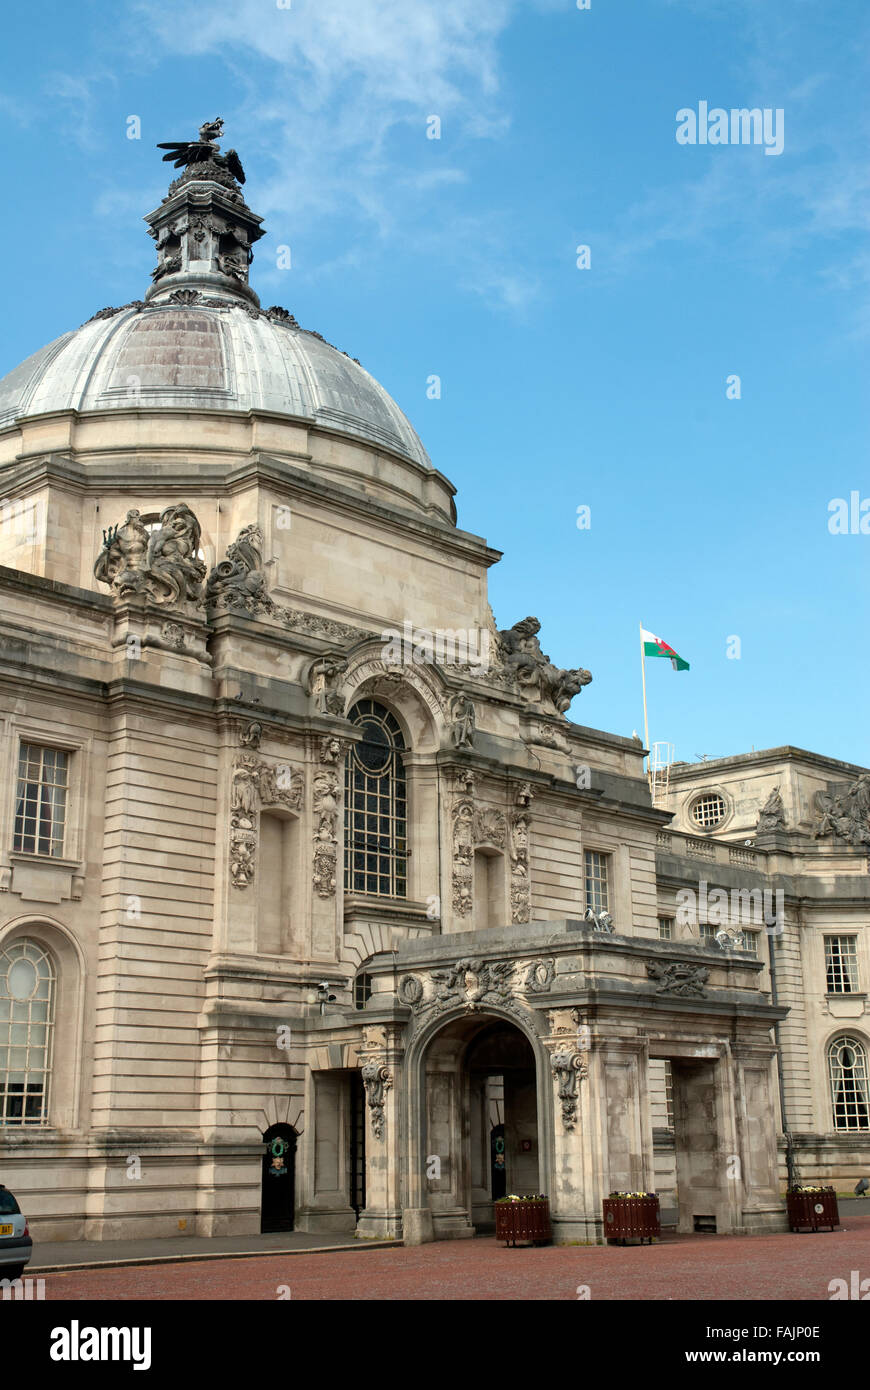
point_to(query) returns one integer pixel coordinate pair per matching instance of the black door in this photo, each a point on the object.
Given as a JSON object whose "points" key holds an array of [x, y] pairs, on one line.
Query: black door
{"points": [[279, 1179], [497, 1161]]}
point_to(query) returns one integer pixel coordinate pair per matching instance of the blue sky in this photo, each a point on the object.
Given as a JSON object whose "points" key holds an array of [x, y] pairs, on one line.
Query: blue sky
{"points": [[561, 387]]}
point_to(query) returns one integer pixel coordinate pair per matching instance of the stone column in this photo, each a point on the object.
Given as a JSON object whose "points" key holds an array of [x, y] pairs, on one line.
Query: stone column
{"points": [[762, 1204], [576, 1147], [380, 1060]]}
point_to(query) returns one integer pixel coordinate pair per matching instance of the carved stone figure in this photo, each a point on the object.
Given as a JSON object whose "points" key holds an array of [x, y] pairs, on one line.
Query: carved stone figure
{"points": [[569, 1069], [772, 813], [535, 675], [331, 749], [846, 813], [238, 582], [242, 853], [121, 562], [377, 1080], [601, 921], [163, 567], [462, 716], [250, 735], [172, 559], [463, 855], [324, 680], [672, 977], [245, 787], [325, 802]]}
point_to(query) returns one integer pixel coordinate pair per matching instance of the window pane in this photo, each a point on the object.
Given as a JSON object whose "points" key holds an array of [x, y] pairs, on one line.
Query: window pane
{"points": [[375, 828], [26, 972]]}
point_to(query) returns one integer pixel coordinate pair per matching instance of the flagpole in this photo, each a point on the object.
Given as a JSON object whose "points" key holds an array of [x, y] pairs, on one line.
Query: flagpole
{"points": [[643, 679]]}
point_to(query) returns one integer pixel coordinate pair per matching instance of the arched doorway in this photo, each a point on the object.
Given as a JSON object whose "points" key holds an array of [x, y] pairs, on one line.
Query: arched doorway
{"points": [[277, 1202], [481, 1118]]}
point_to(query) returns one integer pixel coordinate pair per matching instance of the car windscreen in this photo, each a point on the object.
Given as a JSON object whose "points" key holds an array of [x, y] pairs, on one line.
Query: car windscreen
{"points": [[8, 1205]]}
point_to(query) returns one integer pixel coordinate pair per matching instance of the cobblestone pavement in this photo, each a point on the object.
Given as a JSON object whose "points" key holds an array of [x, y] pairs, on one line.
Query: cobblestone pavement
{"points": [[683, 1267]]}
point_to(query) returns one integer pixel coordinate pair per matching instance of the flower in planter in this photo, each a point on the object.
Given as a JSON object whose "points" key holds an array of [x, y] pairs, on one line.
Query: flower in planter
{"points": [[632, 1194]]}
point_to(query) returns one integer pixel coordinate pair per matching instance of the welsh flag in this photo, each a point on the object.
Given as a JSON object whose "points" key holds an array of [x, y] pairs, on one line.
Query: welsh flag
{"points": [[656, 646]]}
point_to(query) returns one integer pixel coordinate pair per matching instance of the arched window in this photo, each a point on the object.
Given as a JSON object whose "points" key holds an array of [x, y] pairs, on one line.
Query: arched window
{"points": [[375, 806], [847, 1061], [27, 980]]}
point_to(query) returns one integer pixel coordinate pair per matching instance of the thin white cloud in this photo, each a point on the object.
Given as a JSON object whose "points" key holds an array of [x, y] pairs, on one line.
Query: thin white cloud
{"points": [[337, 100]]}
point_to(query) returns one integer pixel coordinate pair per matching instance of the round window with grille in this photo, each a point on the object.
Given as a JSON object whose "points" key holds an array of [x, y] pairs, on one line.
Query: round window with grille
{"points": [[708, 810]]}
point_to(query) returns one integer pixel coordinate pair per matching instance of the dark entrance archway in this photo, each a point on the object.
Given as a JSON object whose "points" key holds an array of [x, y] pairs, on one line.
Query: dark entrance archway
{"points": [[278, 1201], [481, 1121]]}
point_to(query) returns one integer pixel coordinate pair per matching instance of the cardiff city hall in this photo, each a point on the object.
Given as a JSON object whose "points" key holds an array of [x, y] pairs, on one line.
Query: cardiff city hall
{"points": [[317, 911]]}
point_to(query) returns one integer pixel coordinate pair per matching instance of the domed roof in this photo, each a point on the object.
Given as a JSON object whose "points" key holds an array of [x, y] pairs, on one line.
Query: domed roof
{"points": [[224, 354], [199, 339]]}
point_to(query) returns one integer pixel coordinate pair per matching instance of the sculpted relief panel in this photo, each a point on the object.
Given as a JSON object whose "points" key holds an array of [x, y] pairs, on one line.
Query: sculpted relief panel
{"points": [[256, 785]]}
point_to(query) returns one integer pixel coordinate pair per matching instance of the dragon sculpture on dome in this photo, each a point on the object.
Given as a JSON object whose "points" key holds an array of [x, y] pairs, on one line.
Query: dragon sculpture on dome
{"points": [[184, 153]]}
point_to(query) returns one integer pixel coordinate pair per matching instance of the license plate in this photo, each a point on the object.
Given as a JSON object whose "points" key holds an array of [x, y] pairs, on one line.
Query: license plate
{"points": [[6, 1230]]}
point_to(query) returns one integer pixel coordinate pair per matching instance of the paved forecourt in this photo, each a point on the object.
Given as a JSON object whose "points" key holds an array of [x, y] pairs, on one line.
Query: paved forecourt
{"points": [[714, 1268]]}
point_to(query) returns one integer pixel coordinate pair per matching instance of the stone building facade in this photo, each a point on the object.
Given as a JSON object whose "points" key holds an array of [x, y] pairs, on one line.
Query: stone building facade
{"points": [[317, 910]]}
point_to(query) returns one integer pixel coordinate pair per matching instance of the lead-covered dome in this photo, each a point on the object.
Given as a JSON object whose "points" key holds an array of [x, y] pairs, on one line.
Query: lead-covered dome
{"points": [[199, 339], [224, 354]]}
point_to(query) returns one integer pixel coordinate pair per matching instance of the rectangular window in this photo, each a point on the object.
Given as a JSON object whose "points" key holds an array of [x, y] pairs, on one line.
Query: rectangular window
{"points": [[597, 896], [666, 928], [707, 931], [40, 800], [841, 964], [669, 1093], [751, 939]]}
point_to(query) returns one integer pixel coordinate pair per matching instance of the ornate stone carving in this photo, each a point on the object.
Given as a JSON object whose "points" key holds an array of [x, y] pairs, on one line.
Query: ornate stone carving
{"points": [[521, 897], [109, 312], [472, 984], [173, 635], [238, 582], [331, 749], [462, 722], [409, 991], [539, 976], [673, 977], [276, 314], [569, 1069], [846, 814], [463, 846], [490, 827], [377, 1080], [326, 794], [250, 734], [534, 674], [324, 683], [772, 814], [256, 784], [162, 567]]}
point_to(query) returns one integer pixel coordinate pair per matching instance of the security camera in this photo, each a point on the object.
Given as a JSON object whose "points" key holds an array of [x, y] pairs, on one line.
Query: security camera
{"points": [[323, 995]]}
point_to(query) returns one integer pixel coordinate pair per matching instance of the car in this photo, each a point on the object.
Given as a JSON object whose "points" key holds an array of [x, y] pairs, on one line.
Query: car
{"points": [[16, 1245]]}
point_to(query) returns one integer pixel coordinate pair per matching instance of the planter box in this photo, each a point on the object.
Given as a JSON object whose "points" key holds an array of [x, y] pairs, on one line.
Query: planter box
{"points": [[523, 1220], [632, 1218], [813, 1209]]}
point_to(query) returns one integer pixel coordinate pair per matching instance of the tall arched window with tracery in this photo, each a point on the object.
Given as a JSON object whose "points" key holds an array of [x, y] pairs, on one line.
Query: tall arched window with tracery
{"points": [[375, 806], [27, 980], [847, 1062]]}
